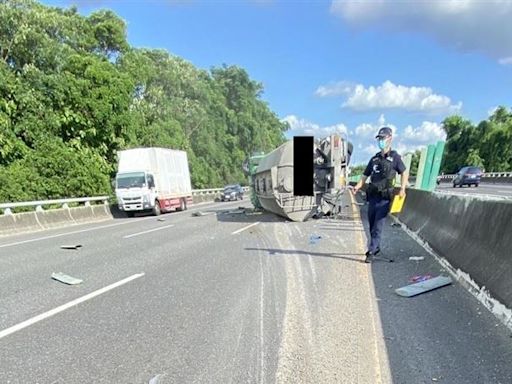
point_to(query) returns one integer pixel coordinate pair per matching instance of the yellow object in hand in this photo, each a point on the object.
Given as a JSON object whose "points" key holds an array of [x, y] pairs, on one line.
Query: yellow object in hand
{"points": [[398, 203]]}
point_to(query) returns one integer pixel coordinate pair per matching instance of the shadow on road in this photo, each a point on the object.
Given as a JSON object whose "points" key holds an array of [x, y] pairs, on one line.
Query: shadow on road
{"points": [[343, 256]]}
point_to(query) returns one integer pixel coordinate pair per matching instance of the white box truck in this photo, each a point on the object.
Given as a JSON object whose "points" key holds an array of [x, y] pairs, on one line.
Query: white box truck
{"points": [[153, 179]]}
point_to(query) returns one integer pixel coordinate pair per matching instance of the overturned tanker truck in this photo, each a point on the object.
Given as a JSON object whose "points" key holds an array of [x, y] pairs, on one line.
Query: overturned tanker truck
{"points": [[303, 177]]}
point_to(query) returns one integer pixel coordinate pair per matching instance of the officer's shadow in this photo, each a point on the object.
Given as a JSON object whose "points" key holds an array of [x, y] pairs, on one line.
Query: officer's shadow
{"points": [[343, 256]]}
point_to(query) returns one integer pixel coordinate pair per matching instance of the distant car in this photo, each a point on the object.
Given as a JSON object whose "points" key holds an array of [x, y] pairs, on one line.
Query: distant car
{"points": [[468, 176], [232, 192]]}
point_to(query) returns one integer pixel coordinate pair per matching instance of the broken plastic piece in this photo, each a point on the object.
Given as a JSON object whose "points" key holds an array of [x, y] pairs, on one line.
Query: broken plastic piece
{"points": [[155, 380], [161, 219], [418, 278], [313, 239], [423, 286], [200, 213], [416, 258], [235, 212], [396, 225], [76, 246], [66, 279]]}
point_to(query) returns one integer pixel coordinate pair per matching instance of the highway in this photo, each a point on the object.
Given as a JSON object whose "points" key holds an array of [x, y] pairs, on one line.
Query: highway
{"points": [[230, 298], [502, 190]]}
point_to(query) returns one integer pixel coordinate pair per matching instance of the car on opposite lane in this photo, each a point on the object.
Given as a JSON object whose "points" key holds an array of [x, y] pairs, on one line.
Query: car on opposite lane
{"points": [[232, 192], [468, 176]]}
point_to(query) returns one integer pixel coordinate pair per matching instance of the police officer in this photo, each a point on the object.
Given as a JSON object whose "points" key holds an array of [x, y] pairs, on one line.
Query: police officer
{"points": [[381, 170]]}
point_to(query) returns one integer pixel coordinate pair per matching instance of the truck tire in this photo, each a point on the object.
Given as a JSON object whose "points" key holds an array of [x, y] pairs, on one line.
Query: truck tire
{"points": [[156, 208], [183, 205]]}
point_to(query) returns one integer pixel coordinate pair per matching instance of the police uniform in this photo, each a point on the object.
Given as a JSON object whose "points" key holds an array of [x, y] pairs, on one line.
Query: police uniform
{"points": [[381, 170]]}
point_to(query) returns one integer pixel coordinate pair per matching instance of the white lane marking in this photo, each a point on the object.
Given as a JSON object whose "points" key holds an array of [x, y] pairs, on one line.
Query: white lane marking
{"points": [[244, 228], [33, 320], [148, 231], [70, 233]]}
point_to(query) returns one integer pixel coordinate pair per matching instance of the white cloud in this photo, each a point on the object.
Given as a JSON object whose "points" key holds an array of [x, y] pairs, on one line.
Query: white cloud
{"points": [[299, 126], [369, 130], [390, 96], [505, 61], [427, 132], [334, 89], [405, 140], [466, 25]]}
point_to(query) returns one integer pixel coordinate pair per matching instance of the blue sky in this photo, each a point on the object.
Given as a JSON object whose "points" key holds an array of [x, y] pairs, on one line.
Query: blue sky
{"points": [[345, 66]]}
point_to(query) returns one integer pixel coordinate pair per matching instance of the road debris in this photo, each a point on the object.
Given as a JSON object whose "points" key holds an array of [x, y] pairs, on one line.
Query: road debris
{"points": [[161, 219], [201, 213], [76, 246], [396, 225], [418, 278], [234, 212], [313, 239], [416, 258], [423, 286], [66, 279], [155, 380]]}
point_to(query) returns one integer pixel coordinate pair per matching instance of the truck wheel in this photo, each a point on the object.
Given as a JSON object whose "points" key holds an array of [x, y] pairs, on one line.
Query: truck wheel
{"points": [[183, 205], [156, 208]]}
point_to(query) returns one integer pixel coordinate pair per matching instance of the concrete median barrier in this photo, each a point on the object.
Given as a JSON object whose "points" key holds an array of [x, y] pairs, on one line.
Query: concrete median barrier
{"points": [[101, 211], [55, 218], [205, 198], [82, 214], [7, 224], [472, 233]]}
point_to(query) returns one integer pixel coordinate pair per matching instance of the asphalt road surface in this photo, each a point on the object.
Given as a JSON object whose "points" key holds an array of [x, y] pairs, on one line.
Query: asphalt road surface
{"points": [[489, 189], [230, 298]]}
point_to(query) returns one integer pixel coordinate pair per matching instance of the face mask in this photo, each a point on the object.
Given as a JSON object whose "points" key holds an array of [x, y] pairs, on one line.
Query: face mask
{"points": [[383, 144]]}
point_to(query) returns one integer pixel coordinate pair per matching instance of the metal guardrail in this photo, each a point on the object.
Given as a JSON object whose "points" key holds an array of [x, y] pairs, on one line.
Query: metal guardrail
{"points": [[487, 174], [212, 191], [8, 207]]}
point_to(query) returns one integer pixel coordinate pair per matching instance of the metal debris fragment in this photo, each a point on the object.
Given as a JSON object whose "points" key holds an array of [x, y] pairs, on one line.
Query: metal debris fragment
{"points": [[76, 246], [423, 286], [66, 279]]}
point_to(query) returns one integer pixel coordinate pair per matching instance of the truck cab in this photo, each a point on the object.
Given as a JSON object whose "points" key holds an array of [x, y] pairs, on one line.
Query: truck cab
{"points": [[136, 191]]}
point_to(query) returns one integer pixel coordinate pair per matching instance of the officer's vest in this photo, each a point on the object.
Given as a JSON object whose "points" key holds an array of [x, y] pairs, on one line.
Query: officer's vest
{"points": [[384, 187]]}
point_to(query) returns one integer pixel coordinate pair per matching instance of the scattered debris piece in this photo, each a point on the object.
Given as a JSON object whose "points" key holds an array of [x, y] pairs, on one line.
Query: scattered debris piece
{"points": [[66, 279], [76, 246], [423, 286], [396, 225], [201, 213], [416, 258], [313, 239], [161, 219], [418, 278], [356, 203], [155, 380], [235, 212]]}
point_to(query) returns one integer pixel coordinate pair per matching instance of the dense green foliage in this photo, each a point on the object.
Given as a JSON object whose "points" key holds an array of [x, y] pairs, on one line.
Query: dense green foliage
{"points": [[488, 144], [73, 92]]}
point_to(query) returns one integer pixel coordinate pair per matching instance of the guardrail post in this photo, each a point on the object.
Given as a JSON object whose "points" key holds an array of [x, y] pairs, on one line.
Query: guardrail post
{"points": [[65, 206], [7, 211], [87, 203], [39, 208]]}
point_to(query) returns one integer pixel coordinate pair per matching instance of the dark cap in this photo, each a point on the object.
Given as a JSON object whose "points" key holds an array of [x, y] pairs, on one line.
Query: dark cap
{"points": [[384, 132]]}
